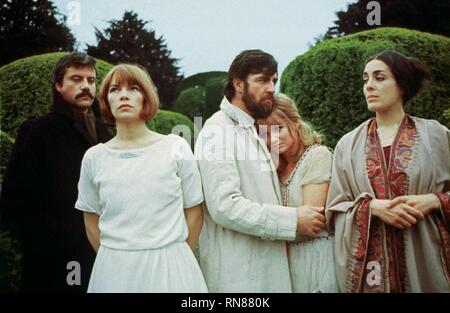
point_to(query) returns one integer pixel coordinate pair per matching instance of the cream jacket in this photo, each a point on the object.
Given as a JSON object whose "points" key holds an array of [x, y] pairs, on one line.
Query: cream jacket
{"points": [[242, 244]]}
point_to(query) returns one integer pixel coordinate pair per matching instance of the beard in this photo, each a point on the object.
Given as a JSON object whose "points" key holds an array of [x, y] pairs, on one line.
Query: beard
{"points": [[258, 109]]}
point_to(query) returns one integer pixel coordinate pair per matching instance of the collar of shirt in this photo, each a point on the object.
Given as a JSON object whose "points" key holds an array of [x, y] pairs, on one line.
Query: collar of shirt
{"points": [[236, 114], [246, 121]]}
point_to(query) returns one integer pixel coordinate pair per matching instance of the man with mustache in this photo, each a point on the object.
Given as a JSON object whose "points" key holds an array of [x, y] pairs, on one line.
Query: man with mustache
{"points": [[40, 187], [243, 241]]}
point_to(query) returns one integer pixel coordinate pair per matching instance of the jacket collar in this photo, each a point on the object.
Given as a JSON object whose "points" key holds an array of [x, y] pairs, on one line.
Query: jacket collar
{"points": [[246, 121], [236, 114], [62, 107]]}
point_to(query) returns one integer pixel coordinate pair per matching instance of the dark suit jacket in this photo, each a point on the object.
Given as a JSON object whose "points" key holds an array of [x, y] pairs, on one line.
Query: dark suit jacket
{"points": [[38, 197]]}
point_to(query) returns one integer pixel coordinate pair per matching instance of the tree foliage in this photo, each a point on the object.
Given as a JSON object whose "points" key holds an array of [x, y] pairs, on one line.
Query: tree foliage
{"points": [[128, 41], [29, 27], [424, 15]]}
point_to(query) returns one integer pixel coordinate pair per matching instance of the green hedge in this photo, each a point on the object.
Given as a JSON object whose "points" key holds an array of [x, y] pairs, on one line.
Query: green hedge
{"points": [[199, 79], [191, 102], [326, 82], [213, 96], [201, 94], [26, 92], [446, 117], [167, 122], [10, 259]]}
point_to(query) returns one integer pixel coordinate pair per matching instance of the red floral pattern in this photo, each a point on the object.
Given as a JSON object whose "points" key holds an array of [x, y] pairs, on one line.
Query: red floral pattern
{"points": [[357, 267], [444, 198], [445, 253], [388, 181], [443, 226]]}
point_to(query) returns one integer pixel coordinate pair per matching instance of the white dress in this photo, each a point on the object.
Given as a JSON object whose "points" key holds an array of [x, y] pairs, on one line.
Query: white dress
{"points": [[311, 261], [140, 196]]}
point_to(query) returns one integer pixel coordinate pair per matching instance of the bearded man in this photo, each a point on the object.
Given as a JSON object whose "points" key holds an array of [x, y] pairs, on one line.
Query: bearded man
{"points": [[243, 241]]}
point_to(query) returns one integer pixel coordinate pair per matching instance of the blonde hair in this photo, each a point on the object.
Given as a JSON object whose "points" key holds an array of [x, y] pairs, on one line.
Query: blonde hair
{"points": [[131, 74], [286, 111]]}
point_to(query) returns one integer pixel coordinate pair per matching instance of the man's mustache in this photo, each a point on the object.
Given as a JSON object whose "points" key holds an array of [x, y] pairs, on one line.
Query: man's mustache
{"points": [[84, 94]]}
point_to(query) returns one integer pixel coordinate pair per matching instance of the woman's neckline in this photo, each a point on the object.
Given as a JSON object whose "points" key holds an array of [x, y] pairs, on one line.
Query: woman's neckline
{"points": [[286, 182], [162, 139]]}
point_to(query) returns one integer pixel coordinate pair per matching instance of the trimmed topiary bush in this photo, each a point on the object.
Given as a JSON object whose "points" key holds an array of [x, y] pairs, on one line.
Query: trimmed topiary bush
{"points": [[326, 82], [213, 96], [199, 79], [167, 122], [191, 102], [446, 116], [201, 94]]}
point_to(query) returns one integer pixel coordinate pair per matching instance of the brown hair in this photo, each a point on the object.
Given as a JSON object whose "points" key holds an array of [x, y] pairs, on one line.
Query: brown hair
{"points": [[286, 111], [410, 74], [249, 62], [75, 59], [133, 75]]}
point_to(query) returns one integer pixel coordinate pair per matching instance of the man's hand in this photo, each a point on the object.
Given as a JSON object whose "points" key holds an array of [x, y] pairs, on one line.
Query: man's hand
{"points": [[310, 220]]}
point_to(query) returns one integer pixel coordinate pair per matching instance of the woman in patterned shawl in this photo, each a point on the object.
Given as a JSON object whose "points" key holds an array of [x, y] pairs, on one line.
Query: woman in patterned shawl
{"points": [[389, 201]]}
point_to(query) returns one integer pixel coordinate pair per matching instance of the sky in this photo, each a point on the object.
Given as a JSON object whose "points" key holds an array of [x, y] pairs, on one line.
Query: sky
{"points": [[206, 35]]}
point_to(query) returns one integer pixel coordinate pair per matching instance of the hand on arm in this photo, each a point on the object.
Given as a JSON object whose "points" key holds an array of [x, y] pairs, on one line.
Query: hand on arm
{"points": [[227, 204], [194, 220], [92, 229], [311, 219]]}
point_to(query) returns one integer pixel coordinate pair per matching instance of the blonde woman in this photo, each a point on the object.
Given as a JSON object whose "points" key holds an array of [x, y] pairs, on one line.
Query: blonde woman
{"points": [[141, 195], [304, 170]]}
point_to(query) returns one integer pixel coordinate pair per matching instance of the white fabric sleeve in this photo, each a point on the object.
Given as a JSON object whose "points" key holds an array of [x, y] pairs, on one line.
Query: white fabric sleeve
{"points": [[188, 172], [318, 169], [223, 196], [88, 199]]}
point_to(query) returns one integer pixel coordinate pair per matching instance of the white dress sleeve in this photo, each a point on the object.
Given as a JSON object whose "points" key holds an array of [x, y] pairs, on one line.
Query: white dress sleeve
{"points": [[88, 199], [318, 166], [189, 174]]}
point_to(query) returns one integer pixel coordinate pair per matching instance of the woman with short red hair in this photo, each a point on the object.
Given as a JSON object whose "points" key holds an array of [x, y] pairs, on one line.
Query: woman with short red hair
{"points": [[141, 195]]}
